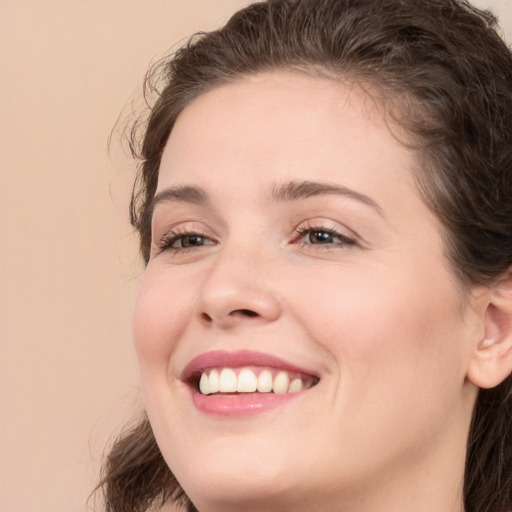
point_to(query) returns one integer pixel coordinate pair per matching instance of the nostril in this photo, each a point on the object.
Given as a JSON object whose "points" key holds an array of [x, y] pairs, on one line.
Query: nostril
{"points": [[236, 313], [206, 317], [244, 312]]}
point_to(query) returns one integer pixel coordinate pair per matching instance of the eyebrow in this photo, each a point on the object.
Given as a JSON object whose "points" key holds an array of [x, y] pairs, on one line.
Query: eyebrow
{"points": [[290, 191], [179, 193], [295, 190]]}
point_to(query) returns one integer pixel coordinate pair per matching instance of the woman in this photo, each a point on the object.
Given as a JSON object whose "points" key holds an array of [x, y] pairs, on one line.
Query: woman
{"points": [[325, 320]]}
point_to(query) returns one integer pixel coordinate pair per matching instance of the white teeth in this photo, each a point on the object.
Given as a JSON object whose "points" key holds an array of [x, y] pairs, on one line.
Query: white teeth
{"points": [[265, 382], [227, 381], [296, 385], [247, 381], [204, 386], [281, 383], [214, 381]]}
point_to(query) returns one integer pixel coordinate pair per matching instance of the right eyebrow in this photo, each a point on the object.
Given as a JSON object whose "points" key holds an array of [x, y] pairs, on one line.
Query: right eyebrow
{"points": [[295, 190], [180, 194]]}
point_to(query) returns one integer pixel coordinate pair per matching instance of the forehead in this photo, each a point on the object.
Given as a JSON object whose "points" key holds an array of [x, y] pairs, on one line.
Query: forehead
{"points": [[283, 126]]}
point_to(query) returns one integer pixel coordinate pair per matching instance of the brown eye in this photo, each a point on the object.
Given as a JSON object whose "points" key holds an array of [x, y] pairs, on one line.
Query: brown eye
{"points": [[190, 241], [176, 241], [312, 235], [321, 237]]}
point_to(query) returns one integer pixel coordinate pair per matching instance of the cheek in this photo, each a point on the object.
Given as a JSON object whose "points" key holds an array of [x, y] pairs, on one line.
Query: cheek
{"points": [[161, 313], [398, 353], [385, 330]]}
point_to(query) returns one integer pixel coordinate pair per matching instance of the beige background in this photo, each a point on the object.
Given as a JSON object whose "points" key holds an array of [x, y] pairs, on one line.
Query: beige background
{"points": [[68, 261]]}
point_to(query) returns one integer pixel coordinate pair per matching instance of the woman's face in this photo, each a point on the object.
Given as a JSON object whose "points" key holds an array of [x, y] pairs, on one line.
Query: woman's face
{"points": [[290, 248]]}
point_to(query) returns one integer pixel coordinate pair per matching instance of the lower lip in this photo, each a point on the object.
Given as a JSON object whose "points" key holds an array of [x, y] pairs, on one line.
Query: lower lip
{"points": [[242, 404]]}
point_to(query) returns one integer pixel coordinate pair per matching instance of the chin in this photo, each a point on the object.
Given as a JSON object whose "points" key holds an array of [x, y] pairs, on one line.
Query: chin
{"points": [[222, 480], [243, 493]]}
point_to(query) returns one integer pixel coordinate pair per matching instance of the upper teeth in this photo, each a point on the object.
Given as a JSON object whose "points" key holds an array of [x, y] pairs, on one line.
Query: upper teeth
{"points": [[226, 380]]}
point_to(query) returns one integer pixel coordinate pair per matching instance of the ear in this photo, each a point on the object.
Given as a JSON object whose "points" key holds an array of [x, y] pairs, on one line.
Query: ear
{"points": [[491, 361]]}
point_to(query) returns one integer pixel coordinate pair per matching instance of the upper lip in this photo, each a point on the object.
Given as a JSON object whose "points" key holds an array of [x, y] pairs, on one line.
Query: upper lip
{"points": [[238, 359]]}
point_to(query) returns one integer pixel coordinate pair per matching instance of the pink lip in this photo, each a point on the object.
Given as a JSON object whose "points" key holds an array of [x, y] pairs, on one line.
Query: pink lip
{"points": [[243, 404], [222, 358]]}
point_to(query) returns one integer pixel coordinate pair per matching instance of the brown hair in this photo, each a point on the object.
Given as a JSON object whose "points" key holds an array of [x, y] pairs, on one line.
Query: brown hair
{"points": [[442, 63]]}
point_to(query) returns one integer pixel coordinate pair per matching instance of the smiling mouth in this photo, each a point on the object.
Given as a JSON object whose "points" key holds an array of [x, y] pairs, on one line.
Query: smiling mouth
{"points": [[232, 385], [226, 380]]}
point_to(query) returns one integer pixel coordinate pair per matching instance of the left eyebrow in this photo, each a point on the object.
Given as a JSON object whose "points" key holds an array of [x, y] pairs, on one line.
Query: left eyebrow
{"points": [[295, 190], [178, 194]]}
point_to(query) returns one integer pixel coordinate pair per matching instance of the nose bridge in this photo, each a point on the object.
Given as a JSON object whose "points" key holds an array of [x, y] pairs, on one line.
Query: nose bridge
{"points": [[238, 287]]}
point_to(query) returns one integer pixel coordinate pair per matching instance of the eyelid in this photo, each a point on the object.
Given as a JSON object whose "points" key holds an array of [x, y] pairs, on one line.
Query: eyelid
{"points": [[174, 236], [164, 243], [173, 233], [323, 225]]}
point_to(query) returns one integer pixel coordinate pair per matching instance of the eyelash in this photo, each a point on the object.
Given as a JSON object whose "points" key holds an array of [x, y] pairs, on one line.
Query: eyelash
{"points": [[171, 237], [302, 231]]}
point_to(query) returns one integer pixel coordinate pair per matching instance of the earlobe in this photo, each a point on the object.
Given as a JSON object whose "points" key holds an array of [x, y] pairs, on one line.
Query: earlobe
{"points": [[491, 361]]}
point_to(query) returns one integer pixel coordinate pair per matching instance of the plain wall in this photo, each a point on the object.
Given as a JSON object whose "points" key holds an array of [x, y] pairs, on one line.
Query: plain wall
{"points": [[68, 259], [69, 263]]}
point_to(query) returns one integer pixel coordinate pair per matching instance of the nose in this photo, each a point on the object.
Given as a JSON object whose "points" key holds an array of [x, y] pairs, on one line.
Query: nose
{"points": [[237, 291]]}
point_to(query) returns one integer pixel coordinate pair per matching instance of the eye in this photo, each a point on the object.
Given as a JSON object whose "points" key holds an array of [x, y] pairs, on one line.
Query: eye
{"points": [[178, 240], [320, 235], [193, 240]]}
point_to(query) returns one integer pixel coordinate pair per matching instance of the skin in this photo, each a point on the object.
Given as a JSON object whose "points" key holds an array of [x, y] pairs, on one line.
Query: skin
{"points": [[381, 320]]}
